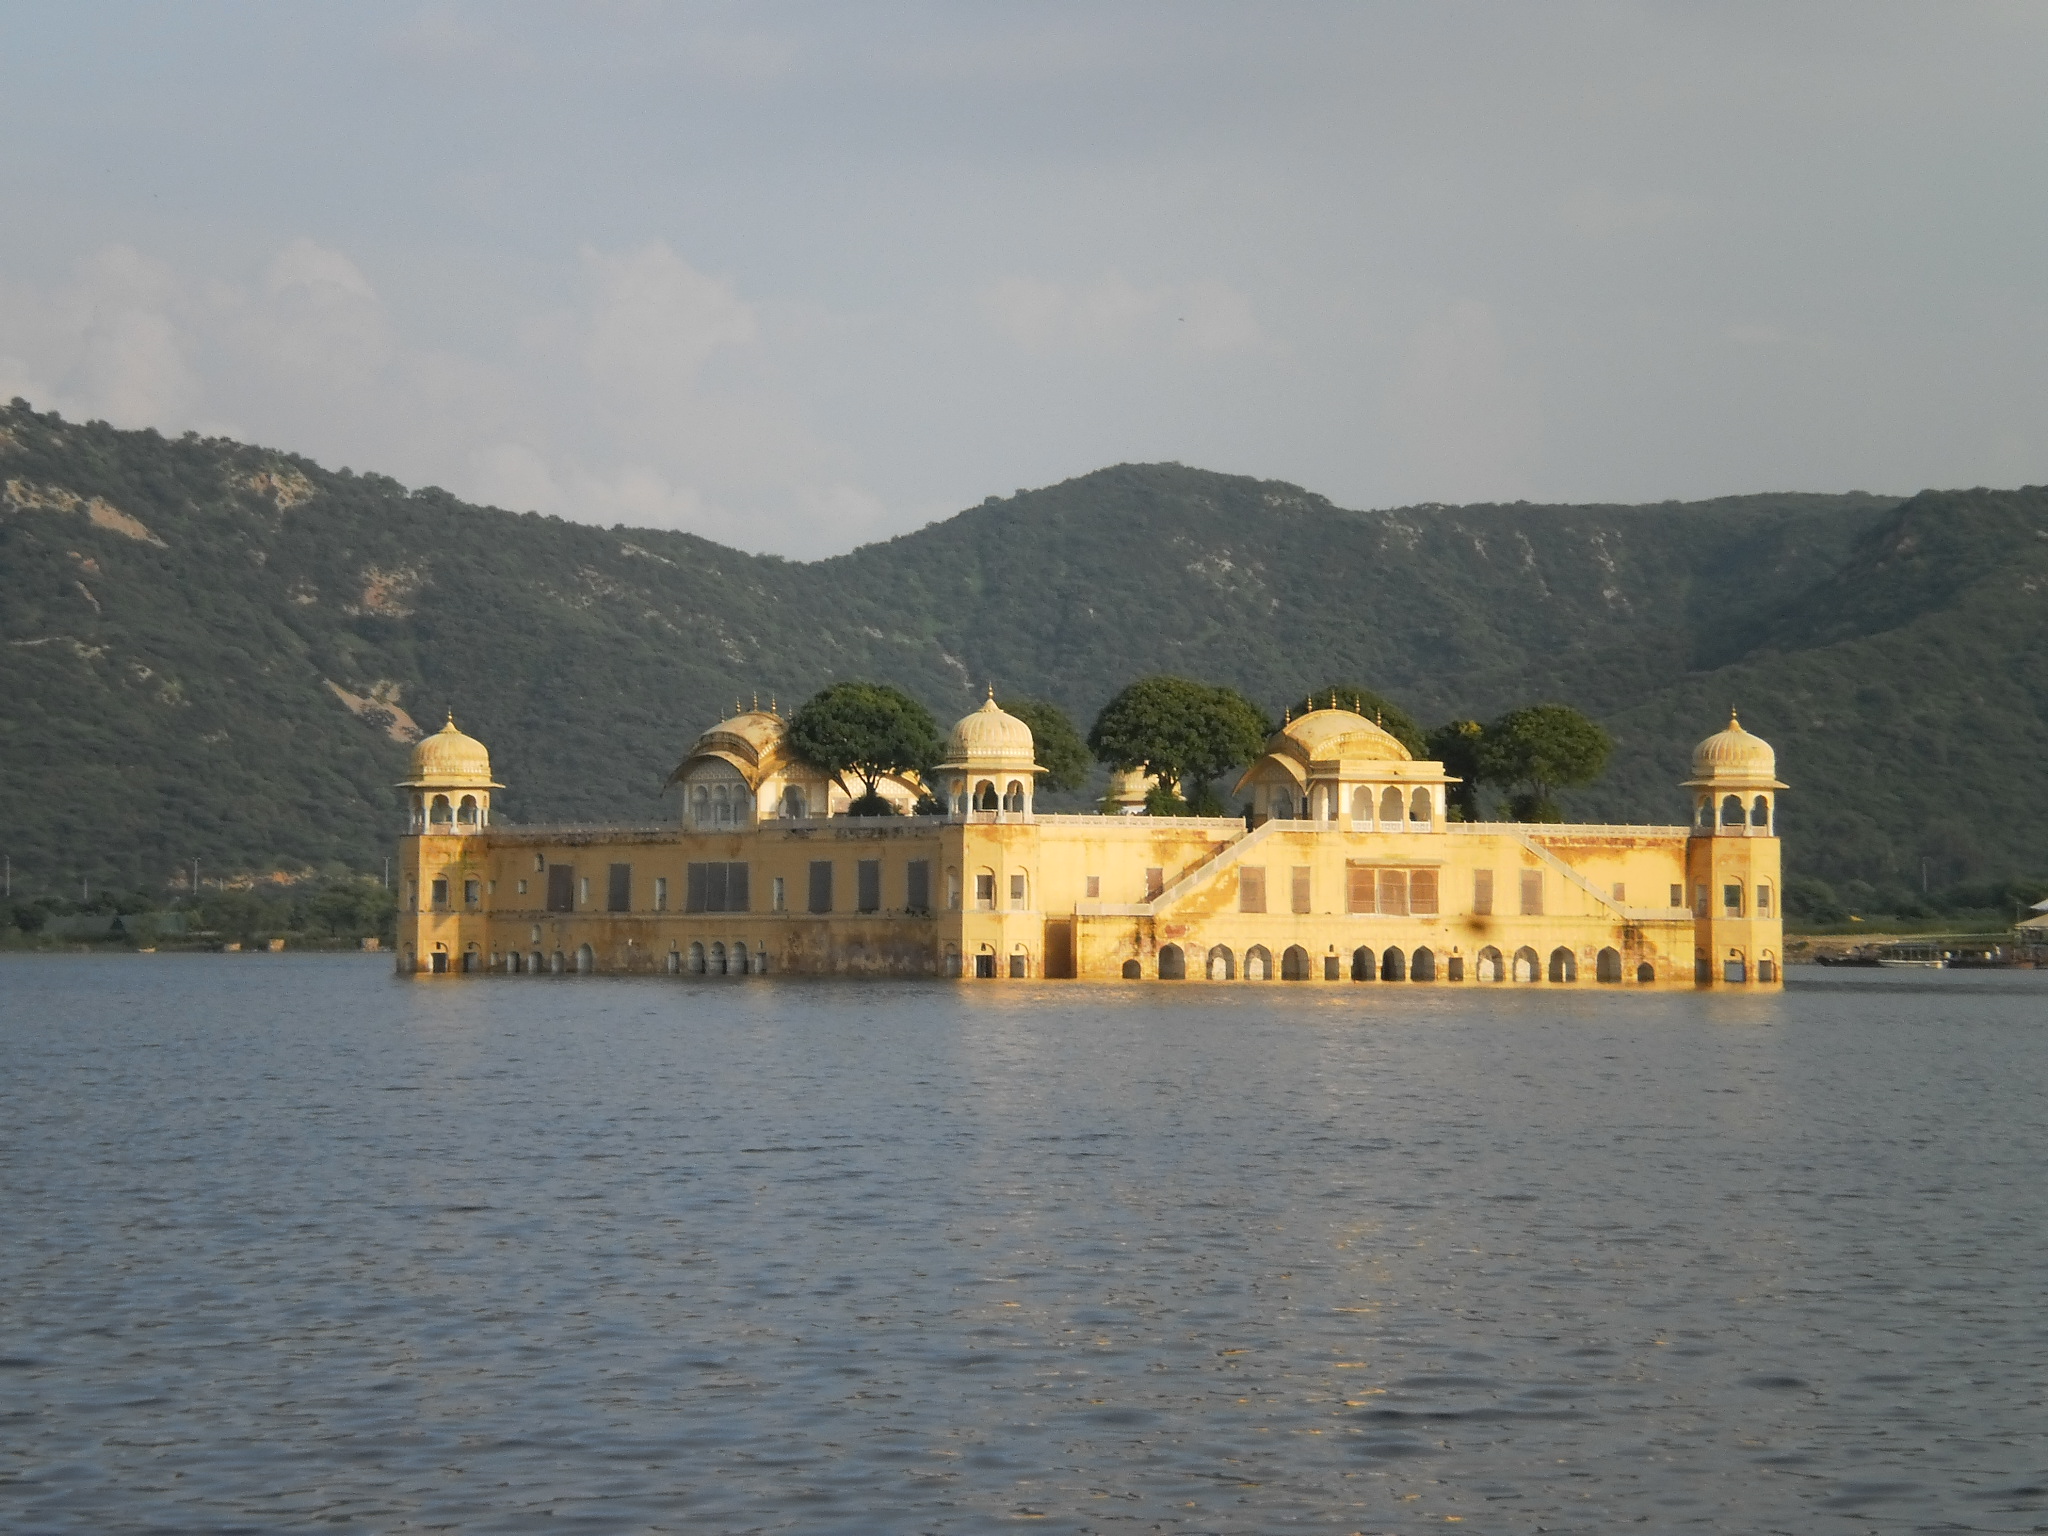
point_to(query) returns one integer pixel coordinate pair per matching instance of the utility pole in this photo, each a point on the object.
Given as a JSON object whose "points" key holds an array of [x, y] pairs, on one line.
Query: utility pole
{"points": [[387, 872], [195, 879]]}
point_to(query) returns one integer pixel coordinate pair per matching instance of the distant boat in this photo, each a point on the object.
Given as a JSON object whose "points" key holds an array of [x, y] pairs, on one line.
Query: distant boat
{"points": [[1889, 961]]}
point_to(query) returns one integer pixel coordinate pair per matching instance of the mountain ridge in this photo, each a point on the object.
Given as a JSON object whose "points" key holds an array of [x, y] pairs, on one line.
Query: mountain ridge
{"points": [[221, 680]]}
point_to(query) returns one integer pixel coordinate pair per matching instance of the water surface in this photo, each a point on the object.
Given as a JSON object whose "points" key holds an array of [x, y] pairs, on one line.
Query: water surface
{"points": [[291, 1243]]}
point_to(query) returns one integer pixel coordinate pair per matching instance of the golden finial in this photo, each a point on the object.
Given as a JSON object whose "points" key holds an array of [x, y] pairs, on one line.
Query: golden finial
{"points": [[1379, 718], [1287, 715], [757, 703], [771, 706], [991, 691]]}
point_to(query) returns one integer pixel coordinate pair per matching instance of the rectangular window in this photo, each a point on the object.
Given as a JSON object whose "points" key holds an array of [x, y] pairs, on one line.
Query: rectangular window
{"points": [[561, 887], [1251, 888], [1094, 887], [661, 893], [1620, 894], [1678, 895], [1016, 893], [1363, 894], [1532, 893], [1422, 893], [985, 893], [1020, 967], [917, 885], [540, 862], [522, 887], [867, 885], [781, 892], [1301, 887], [472, 892], [1482, 893], [1699, 900], [1155, 882], [821, 885], [412, 895], [715, 887], [1731, 898], [618, 890], [1763, 901], [1393, 893], [952, 890], [583, 890], [440, 893]]}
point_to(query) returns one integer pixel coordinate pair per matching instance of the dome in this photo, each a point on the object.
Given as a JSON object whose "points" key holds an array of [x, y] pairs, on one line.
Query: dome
{"points": [[1735, 756], [991, 738], [452, 759], [1325, 734]]}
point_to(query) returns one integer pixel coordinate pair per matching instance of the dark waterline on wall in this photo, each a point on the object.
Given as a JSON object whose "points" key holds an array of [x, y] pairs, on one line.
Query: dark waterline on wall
{"points": [[291, 1242]]}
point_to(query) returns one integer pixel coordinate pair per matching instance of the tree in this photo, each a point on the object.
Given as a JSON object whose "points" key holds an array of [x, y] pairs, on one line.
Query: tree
{"points": [[1059, 748], [1544, 748], [868, 730], [1459, 745], [1382, 711], [1185, 732]]}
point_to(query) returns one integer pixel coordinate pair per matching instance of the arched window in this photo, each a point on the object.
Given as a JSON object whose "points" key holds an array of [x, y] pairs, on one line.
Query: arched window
{"points": [[675, 962], [557, 963], [794, 804], [586, 961], [536, 963], [1361, 804], [1489, 964], [1527, 966], [721, 803], [1258, 963], [739, 959], [1731, 811], [1132, 970], [1733, 969], [696, 959], [1393, 965], [1173, 965], [717, 959], [440, 811], [1766, 967], [1763, 898], [1646, 973], [1363, 967], [1013, 797], [1608, 966], [985, 796], [1760, 812], [1020, 963], [1703, 813], [1294, 964], [1454, 968], [1419, 808], [1390, 810], [466, 812], [700, 805], [1222, 964], [1422, 967], [472, 959], [1283, 805], [1563, 965]]}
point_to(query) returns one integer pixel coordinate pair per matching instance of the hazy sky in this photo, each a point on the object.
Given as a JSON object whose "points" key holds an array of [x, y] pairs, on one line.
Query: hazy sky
{"points": [[799, 277]]}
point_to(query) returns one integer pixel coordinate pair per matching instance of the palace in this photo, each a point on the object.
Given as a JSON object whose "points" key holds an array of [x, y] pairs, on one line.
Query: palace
{"points": [[1346, 868]]}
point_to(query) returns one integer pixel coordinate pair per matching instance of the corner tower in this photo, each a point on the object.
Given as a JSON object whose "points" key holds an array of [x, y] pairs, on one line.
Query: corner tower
{"points": [[1732, 860], [441, 908]]}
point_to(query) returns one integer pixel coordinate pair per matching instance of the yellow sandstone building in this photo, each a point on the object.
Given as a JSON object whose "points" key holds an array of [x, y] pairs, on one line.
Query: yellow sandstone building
{"points": [[1347, 869]]}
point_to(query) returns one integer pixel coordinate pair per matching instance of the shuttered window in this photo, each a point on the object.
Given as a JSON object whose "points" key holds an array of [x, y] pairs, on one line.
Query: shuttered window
{"points": [[618, 892], [561, 887], [1301, 888], [715, 887], [1251, 888], [821, 885], [1363, 889], [1155, 882], [1422, 892], [1532, 893], [1482, 893], [868, 885], [918, 886], [1393, 893]]}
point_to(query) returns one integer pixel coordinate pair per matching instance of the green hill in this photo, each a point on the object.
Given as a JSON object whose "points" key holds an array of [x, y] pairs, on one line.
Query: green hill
{"points": [[211, 650]]}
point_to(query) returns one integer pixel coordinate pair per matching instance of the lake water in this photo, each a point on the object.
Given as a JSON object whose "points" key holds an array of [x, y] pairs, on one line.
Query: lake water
{"points": [[291, 1243]]}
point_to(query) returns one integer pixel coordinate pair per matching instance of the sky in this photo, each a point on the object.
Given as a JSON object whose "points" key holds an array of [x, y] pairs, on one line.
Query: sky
{"points": [[801, 277]]}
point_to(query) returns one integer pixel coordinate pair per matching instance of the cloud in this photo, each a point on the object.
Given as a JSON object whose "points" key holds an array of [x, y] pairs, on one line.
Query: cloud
{"points": [[655, 321], [1114, 315], [1466, 428]]}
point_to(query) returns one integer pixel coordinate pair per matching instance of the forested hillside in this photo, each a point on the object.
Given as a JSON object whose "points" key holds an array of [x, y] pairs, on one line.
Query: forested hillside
{"points": [[214, 651]]}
